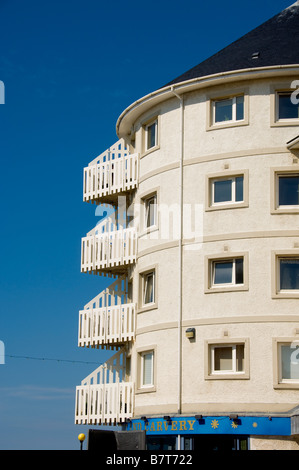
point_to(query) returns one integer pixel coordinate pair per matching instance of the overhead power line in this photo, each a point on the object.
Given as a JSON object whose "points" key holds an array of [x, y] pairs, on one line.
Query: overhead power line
{"points": [[50, 359]]}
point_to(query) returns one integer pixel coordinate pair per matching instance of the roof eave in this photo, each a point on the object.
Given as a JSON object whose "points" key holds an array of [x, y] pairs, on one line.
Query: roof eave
{"points": [[128, 117]]}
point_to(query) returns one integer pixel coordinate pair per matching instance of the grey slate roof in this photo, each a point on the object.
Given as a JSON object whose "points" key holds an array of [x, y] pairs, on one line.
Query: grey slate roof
{"points": [[276, 41]]}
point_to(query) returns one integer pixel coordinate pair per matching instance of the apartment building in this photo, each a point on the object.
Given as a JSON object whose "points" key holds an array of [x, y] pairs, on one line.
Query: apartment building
{"points": [[202, 247]]}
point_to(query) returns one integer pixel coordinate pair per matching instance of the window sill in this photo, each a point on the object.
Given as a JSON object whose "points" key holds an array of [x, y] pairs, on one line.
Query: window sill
{"points": [[284, 123], [228, 376], [214, 290], [149, 230], [285, 210], [152, 149], [232, 205], [287, 385], [150, 389], [286, 295], [225, 125], [147, 308]]}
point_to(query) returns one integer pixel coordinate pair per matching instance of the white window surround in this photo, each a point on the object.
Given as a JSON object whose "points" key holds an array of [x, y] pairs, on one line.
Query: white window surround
{"points": [[146, 369], [286, 363], [235, 359], [276, 91], [213, 262], [148, 289], [150, 135], [227, 176], [228, 99], [277, 291], [276, 174]]}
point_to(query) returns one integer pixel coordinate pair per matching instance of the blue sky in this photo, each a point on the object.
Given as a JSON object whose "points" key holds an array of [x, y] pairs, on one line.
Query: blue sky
{"points": [[69, 69]]}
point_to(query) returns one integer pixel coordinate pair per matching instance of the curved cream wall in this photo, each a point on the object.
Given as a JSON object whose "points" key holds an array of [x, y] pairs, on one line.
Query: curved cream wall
{"points": [[253, 314]]}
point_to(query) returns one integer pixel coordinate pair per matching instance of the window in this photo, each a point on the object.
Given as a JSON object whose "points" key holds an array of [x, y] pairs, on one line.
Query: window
{"points": [[288, 193], [227, 359], [226, 190], [285, 272], [286, 363], [147, 298], [286, 109], [150, 211], [151, 135], [288, 273], [149, 288], [228, 110], [285, 190], [147, 369], [227, 272]]}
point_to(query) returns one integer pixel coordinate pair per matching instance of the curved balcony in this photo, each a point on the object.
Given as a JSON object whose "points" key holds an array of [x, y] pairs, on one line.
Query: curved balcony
{"points": [[113, 172], [103, 397], [108, 319], [111, 251]]}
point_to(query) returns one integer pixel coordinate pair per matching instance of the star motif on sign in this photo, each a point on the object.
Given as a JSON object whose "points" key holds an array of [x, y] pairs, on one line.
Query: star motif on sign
{"points": [[215, 424], [234, 425]]}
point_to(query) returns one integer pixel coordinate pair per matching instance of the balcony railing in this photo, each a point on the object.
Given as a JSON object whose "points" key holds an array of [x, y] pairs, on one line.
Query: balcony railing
{"points": [[112, 172], [112, 249], [109, 318], [102, 397]]}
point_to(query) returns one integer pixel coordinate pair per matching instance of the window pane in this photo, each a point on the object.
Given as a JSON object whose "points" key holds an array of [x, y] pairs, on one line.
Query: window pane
{"points": [[223, 358], [240, 357], [147, 368], [239, 271], [149, 288], [240, 108], [222, 191], [289, 362], [151, 135], [287, 110], [223, 272], [239, 188], [223, 110], [288, 190], [289, 273], [150, 212]]}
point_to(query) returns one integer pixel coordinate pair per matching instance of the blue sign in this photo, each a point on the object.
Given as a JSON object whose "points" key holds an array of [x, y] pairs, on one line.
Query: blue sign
{"points": [[213, 425]]}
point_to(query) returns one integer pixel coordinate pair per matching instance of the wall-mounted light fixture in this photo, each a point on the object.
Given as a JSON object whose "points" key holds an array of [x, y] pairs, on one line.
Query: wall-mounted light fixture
{"points": [[200, 419], [144, 418], [190, 333], [233, 417], [167, 418]]}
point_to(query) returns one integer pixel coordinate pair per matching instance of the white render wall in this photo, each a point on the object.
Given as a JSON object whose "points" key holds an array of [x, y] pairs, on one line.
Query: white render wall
{"points": [[251, 314]]}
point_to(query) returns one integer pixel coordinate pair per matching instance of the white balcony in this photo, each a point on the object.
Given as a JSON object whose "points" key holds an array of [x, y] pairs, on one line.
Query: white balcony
{"points": [[111, 173], [102, 397], [108, 319], [108, 251]]}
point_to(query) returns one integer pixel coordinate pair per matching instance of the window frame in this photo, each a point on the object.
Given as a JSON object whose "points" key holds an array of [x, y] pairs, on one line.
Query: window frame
{"points": [[210, 260], [278, 381], [277, 90], [142, 306], [211, 345], [141, 353], [146, 125], [276, 173], [215, 97], [275, 269], [210, 205]]}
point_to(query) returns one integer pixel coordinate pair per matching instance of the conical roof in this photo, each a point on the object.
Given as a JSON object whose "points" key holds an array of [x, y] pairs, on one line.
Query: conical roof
{"points": [[275, 42]]}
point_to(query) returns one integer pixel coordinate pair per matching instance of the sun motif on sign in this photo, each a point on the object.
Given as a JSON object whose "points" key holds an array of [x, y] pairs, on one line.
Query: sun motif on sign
{"points": [[234, 424], [214, 424]]}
